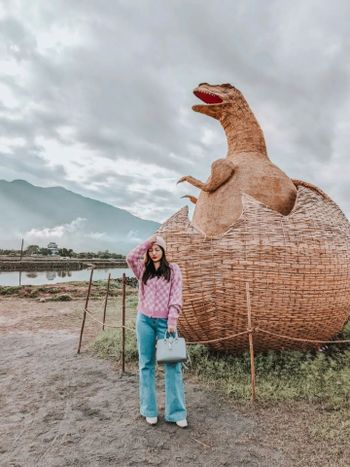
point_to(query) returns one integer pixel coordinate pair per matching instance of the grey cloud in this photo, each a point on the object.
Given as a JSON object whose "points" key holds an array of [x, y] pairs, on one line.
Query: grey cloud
{"points": [[27, 162], [16, 39], [117, 190], [123, 89]]}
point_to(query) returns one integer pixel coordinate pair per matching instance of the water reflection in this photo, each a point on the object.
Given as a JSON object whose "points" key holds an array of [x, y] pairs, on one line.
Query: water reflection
{"points": [[51, 275], [31, 274], [46, 277]]}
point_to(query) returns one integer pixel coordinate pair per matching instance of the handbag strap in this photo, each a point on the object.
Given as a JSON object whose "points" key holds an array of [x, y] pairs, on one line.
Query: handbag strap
{"points": [[167, 332]]}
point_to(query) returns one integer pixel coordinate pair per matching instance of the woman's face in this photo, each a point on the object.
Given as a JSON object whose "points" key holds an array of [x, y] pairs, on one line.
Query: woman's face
{"points": [[155, 252]]}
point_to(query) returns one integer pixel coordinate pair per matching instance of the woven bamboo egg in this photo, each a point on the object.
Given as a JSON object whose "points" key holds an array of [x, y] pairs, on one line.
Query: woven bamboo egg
{"points": [[297, 267]]}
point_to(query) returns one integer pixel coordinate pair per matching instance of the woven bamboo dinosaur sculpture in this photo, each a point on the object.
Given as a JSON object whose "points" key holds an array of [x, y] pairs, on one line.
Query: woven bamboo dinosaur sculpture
{"points": [[285, 241], [246, 168]]}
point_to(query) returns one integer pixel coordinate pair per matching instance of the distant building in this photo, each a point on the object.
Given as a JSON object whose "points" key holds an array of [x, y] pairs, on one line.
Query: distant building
{"points": [[52, 246]]}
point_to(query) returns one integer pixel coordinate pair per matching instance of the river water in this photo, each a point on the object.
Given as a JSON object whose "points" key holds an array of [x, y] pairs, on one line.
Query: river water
{"points": [[54, 277]]}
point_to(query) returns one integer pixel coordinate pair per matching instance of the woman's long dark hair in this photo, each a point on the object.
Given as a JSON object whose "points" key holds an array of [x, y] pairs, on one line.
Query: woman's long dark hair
{"points": [[150, 271]]}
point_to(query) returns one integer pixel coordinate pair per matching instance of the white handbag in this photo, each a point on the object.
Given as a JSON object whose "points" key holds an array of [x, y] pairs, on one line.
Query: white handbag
{"points": [[171, 349]]}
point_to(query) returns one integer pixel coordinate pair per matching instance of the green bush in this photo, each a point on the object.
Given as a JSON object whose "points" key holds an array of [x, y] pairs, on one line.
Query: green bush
{"points": [[108, 345], [9, 290], [280, 376], [60, 298]]}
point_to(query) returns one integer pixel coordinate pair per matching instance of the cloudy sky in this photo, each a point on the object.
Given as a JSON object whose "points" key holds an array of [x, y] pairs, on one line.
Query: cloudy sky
{"points": [[96, 96]]}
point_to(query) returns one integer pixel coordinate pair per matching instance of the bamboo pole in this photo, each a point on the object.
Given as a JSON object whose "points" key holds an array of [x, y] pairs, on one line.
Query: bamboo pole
{"points": [[84, 313], [123, 323], [106, 300], [251, 345]]}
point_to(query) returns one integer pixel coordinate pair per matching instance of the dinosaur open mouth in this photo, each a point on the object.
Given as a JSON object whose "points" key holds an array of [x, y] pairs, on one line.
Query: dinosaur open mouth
{"points": [[208, 97]]}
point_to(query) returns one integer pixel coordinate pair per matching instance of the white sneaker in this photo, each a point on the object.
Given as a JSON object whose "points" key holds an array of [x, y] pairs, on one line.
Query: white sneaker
{"points": [[182, 423], [152, 420]]}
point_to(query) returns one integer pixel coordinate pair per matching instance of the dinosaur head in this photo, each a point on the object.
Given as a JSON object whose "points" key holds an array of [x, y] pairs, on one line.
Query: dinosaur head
{"points": [[217, 98]]}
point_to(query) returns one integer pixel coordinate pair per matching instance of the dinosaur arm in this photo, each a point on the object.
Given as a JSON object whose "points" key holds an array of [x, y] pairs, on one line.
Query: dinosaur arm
{"points": [[193, 181], [221, 171], [192, 198]]}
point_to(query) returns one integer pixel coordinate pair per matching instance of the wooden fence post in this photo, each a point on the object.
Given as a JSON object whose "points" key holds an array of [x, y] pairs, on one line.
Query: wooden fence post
{"points": [[251, 345], [106, 300], [123, 323], [86, 305]]}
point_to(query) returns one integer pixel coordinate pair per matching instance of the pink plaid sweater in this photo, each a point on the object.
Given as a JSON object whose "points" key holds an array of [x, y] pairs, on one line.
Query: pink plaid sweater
{"points": [[158, 298]]}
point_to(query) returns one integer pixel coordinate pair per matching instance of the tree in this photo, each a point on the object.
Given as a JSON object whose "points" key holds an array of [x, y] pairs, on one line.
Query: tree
{"points": [[32, 249], [65, 252]]}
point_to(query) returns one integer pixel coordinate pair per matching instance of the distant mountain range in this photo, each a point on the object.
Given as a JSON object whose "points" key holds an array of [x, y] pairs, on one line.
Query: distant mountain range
{"points": [[40, 215]]}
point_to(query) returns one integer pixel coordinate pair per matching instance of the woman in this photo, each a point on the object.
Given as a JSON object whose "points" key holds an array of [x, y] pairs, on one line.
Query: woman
{"points": [[160, 302]]}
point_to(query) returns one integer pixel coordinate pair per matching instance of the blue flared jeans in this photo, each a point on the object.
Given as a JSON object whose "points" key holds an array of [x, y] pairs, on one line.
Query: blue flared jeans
{"points": [[147, 331]]}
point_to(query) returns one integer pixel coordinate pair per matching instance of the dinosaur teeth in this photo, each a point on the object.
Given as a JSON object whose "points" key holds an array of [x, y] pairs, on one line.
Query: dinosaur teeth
{"points": [[209, 93], [208, 97]]}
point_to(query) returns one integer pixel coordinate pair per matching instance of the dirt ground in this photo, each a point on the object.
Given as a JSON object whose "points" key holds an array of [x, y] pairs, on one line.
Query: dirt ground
{"points": [[58, 408]]}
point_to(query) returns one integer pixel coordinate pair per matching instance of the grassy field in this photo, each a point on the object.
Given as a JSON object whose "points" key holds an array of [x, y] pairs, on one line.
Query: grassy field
{"points": [[319, 377]]}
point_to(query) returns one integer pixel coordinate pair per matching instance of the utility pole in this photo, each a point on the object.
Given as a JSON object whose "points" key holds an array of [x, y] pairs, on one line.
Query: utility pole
{"points": [[21, 250]]}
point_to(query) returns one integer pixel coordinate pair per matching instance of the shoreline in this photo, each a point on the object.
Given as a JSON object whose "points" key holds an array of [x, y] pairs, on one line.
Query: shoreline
{"points": [[54, 264]]}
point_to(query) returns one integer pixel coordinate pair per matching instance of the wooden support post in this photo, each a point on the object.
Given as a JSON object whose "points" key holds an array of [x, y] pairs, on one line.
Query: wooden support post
{"points": [[251, 345], [123, 322], [106, 300], [86, 305]]}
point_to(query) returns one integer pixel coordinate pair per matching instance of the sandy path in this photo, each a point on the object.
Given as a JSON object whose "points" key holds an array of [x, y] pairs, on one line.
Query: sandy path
{"points": [[58, 408]]}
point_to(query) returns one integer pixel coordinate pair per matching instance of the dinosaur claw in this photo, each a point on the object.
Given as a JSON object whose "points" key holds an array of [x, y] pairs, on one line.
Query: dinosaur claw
{"points": [[192, 198], [182, 179]]}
